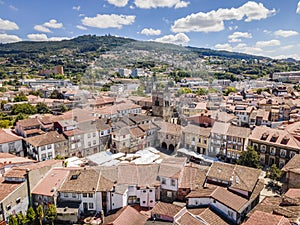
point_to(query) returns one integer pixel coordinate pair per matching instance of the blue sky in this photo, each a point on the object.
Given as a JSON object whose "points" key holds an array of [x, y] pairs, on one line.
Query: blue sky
{"points": [[268, 28]]}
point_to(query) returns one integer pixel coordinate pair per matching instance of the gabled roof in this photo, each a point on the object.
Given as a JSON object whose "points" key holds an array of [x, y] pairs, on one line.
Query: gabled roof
{"points": [[166, 209], [220, 128], [172, 167], [293, 165], [263, 218], [6, 136], [29, 122], [81, 181], [7, 188], [51, 182], [239, 177], [193, 177], [126, 216], [45, 139], [194, 129]]}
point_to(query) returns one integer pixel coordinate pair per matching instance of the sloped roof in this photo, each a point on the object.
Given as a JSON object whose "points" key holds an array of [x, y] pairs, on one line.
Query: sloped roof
{"points": [[166, 209], [263, 218], [7, 136], [45, 139]]}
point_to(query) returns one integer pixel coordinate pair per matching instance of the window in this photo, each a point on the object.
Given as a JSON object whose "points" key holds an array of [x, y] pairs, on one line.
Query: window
{"points": [[49, 155], [89, 144], [89, 135], [263, 148], [49, 146], [18, 200], [151, 201], [173, 182], [91, 205], [66, 195], [204, 141], [11, 146], [94, 134], [74, 195], [91, 195], [8, 207], [84, 195], [144, 202], [169, 194], [163, 180], [230, 213], [292, 154], [150, 190], [94, 142], [43, 148], [44, 156], [282, 153]]}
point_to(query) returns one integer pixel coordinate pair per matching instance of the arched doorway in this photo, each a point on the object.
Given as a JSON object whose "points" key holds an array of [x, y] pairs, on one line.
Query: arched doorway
{"points": [[171, 147], [164, 145]]}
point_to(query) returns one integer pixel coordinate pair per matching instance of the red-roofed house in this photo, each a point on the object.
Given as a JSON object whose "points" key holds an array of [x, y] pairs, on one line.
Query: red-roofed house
{"points": [[10, 143]]}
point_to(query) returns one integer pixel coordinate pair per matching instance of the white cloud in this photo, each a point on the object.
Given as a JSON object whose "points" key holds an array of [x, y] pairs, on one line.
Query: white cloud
{"points": [[182, 4], [285, 33], [287, 47], [150, 31], [226, 47], [41, 28], [13, 8], [44, 37], [148, 4], [213, 21], [262, 44], [77, 8], [118, 3], [241, 47], [236, 36], [177, 39], [81, 27], [108, 21], [53, 24], [50, 24], [298, 8], [6, 38], [8, 25]]}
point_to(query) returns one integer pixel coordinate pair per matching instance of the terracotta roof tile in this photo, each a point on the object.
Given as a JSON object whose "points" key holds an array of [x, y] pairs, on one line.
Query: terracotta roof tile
{"points": [[263, 218], [165, 209], [7, 136], [45, 139], [188, 219]]}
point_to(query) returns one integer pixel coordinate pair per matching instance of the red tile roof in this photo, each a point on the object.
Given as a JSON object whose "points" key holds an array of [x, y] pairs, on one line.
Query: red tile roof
{"points": [[7, 136], [165, 209], [262, 218]]}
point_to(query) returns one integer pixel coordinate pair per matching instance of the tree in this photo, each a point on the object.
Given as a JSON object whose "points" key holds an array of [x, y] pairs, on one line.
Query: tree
{"points": [[51, 213], [40, 213], [20, 98], [42, 108], [184, 90], [5, 123], [63, 108], [229, 89], [12, 220], [249, 158], [22, 220], [275, 173], [23, 108], [30, 215], [202, 91]]}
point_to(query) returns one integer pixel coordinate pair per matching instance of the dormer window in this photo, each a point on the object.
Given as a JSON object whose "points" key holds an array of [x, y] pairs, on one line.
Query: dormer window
{"points": [[274, 137], [264, 136], [285, 140]]}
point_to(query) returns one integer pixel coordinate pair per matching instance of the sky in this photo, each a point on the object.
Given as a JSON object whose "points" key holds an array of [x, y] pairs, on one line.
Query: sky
{"points": [[267, 27]]}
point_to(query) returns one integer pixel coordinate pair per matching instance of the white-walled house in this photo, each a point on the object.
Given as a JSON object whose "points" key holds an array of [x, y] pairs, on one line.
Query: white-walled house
{"points": [[10, 143], [44, 147]]}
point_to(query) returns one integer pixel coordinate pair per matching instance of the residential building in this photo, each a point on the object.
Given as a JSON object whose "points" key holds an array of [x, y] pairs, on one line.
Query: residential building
{"points": [[28, 127], [237, 142], [46, 146], [170, 174], [292, 172], [10, 143], [196, 138], [259, 217], [218, 138], [275, 146]]}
